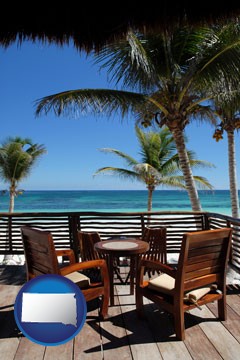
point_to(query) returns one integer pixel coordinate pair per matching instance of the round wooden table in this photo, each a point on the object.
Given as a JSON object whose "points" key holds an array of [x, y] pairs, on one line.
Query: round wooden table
{"points": [[129, 247]]}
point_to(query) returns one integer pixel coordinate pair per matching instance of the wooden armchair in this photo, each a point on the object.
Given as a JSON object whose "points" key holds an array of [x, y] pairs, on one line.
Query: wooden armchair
{"points": [[87, 240], [157, 239], [200, 277], [86, 245], [41, 258]]}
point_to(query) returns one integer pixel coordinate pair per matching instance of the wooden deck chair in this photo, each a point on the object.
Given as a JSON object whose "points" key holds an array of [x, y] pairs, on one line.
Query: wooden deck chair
{"points": [[157, 239], [200, 277], [41, 258], [87, 251], [87, 240]]}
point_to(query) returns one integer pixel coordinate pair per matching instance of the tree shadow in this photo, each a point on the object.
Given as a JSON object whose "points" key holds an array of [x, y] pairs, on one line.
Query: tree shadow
{"points": [[8, 327], [233, 289], [12, 274]]}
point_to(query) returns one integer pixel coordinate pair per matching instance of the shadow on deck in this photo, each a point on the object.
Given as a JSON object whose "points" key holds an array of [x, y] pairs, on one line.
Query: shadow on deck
{"points": [[123, 334]]}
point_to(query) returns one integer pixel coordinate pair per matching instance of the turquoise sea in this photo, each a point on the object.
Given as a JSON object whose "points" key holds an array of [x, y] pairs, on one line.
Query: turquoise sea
{"points": [[115, 200]]}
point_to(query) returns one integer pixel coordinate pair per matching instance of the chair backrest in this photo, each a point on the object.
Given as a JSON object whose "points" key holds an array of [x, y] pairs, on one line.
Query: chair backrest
{"points": [[203, 259], [86, 245], [157, 239], [39, 251]]}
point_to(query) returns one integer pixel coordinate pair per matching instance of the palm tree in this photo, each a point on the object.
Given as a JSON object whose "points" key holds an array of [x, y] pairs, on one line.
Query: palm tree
{"points": [[173, 76], [159, 164], [230, 121], [17, 157]]}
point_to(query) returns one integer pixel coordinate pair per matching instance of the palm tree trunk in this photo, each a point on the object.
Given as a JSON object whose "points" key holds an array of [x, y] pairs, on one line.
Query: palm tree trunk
{"points": [[150, 194], [232, 174], [11, 202], [9, 259], [186, 169]]}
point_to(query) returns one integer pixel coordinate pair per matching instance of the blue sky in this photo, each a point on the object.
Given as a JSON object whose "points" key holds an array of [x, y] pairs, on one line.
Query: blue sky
{"points": [[34, 70]]}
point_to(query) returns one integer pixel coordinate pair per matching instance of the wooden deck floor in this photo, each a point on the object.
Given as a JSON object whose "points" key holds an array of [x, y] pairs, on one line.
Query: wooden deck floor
{"points": [[124, 336]]}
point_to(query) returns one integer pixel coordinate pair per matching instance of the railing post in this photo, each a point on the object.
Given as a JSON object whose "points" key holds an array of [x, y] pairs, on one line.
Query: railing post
{"points": [[142, 223], [73, 228], [231, 248], [9, 233], [205, 222]]}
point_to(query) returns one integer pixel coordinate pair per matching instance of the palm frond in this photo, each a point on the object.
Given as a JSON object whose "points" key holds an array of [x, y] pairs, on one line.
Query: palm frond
{"points": [[195, 163], [176, 182], [129, 159], [83, 101], [202, 183], [159, 163], [219, 56], [122, 173], [17, 157], [129, 62]]}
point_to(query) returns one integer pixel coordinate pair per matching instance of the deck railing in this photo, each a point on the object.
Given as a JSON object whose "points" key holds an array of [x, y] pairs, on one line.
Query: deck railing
{"points": [[64, 226]]}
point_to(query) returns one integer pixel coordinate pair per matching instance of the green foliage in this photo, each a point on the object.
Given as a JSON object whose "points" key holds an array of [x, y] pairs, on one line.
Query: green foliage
{"points": [[159, 162], [170, 78], [17, 158]]}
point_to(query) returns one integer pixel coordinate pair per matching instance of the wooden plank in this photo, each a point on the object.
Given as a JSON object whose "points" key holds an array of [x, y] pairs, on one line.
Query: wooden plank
{"points": [[59, 352], [114, 334], [88, 342], [198, 343], [8, 348], [9, 328], [7, 300], [232, 323], [140, 337], [156, 330], [234, 302], [29, 350], [192, 347], [231, 314], [174, 350], [233, 307], [9, 334], [161, 325], [227, 346]]}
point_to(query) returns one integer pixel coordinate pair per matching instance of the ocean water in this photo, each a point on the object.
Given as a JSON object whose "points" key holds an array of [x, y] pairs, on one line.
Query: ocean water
{"points": [[115, 200]]}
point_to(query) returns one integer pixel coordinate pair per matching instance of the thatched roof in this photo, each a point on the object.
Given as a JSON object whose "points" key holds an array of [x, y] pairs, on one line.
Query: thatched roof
{"points": [[91, 25]]}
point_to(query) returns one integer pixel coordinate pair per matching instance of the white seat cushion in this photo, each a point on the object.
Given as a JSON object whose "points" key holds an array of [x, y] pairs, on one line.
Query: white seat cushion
{"points": [[162, 283], [79, 279], [165, 284]]}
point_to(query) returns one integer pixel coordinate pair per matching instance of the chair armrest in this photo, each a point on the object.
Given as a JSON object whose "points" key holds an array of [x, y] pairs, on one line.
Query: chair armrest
{"points": [[157, 265], [100, 263], [67, 252]]}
